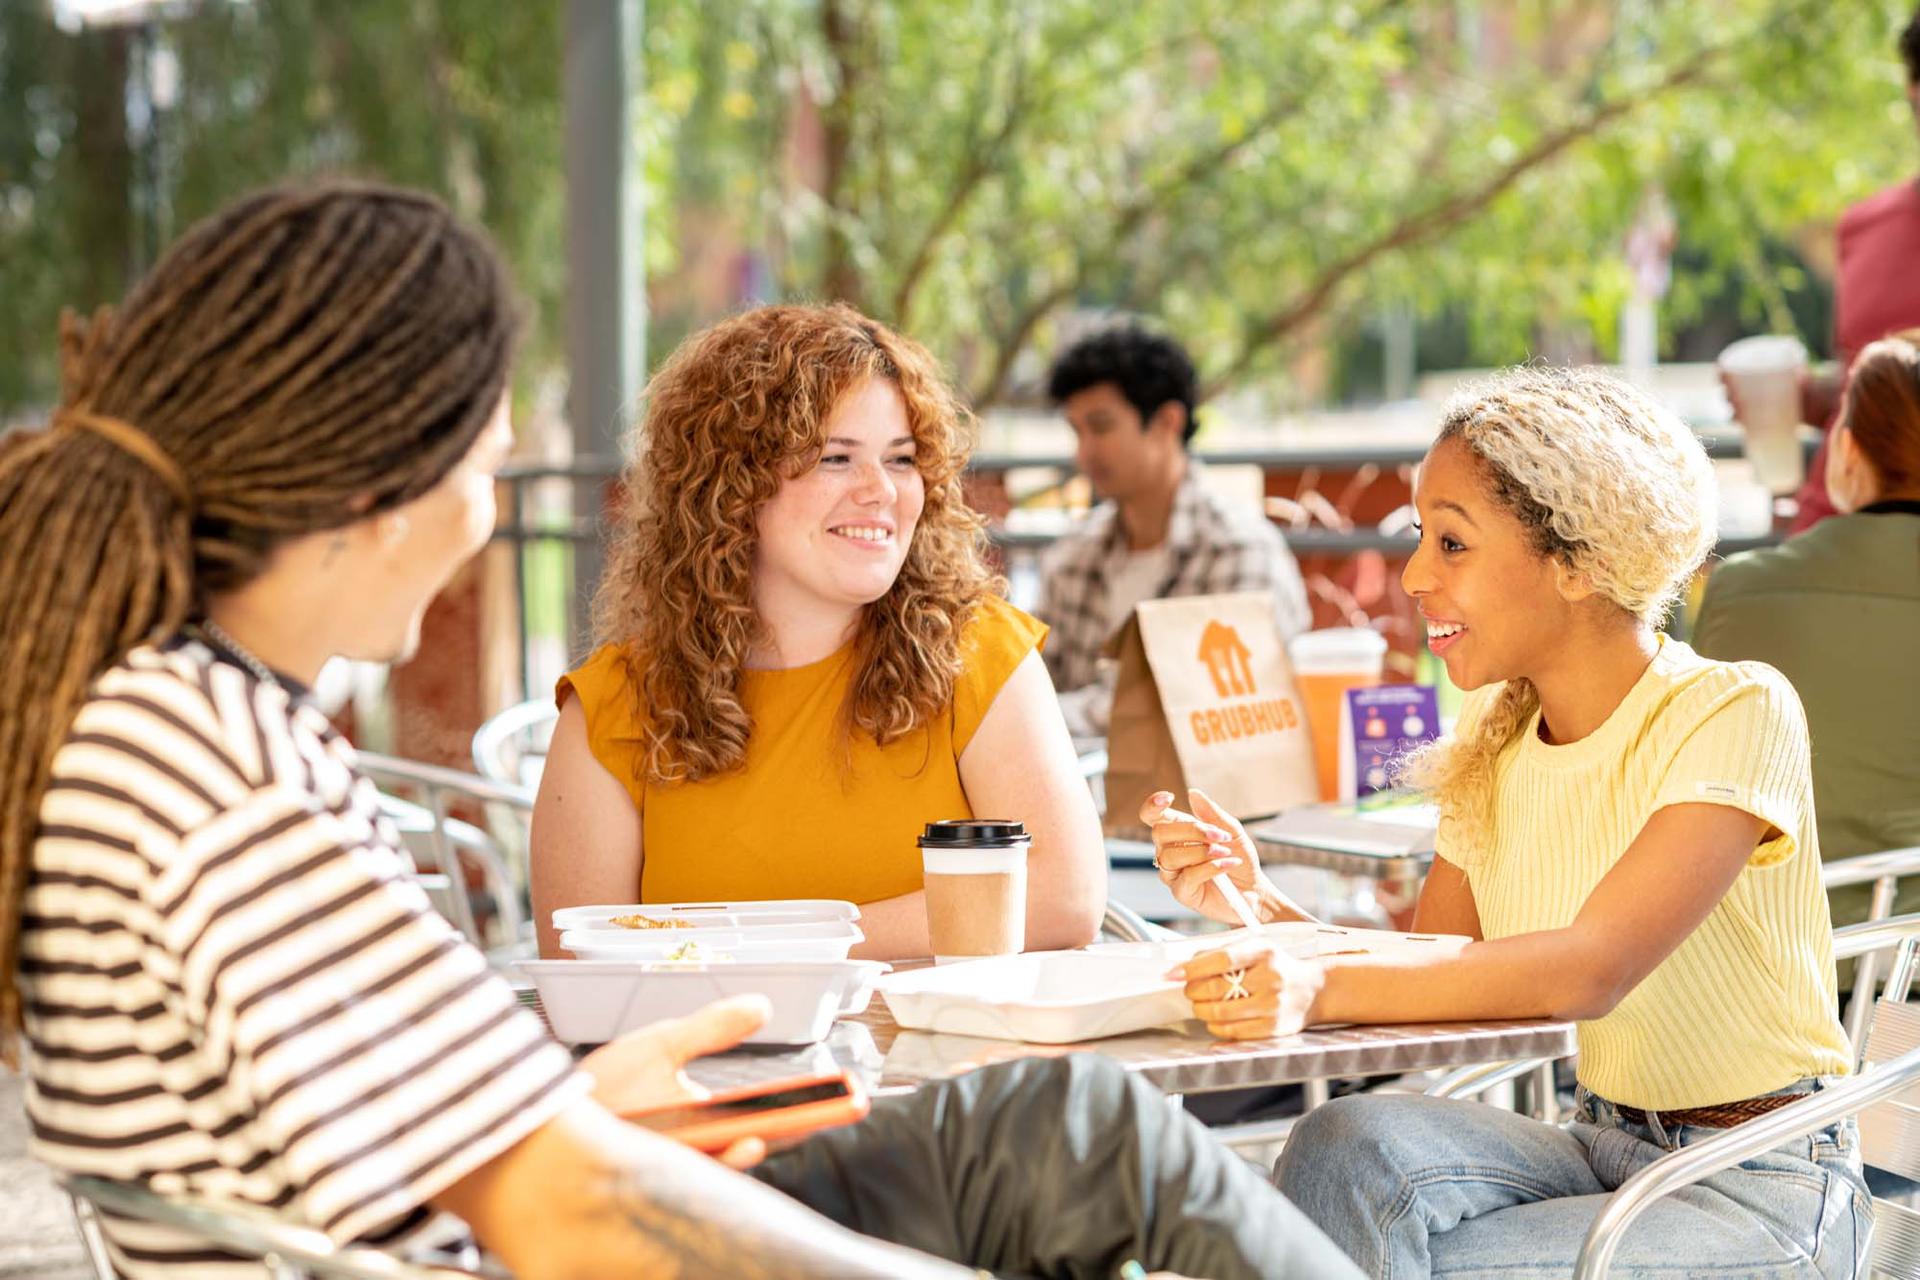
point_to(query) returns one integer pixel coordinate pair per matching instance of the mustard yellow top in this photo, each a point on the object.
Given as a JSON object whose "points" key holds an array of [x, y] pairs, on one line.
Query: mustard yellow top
{"points": [[1746, 1003], [793, 823]]}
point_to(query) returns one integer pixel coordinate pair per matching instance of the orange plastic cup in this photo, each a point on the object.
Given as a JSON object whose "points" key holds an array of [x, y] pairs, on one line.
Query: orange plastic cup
{"points": [[1326, 664]]}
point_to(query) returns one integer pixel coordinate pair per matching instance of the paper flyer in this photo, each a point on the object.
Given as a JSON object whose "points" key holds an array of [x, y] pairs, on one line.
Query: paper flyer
{"points": [[1379, 725]]}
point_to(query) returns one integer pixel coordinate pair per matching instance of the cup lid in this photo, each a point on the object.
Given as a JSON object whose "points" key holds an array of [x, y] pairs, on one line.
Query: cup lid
{"points": [[972, 833]]}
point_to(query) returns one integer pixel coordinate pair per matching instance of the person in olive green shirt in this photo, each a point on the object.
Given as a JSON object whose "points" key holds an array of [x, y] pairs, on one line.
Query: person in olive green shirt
{"points": [[1837, 610]]}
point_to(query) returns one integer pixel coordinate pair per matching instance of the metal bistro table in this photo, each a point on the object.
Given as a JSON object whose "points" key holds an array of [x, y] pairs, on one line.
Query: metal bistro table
{"points": [[1181, 1060]]}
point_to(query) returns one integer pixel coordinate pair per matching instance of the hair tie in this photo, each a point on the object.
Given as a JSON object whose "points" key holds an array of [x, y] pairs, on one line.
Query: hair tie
{"points": [[131, 439]]}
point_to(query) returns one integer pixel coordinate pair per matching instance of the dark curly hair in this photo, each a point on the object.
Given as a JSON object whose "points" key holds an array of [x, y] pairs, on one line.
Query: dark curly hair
{"points": [[1150, 370], [1910, 47]]}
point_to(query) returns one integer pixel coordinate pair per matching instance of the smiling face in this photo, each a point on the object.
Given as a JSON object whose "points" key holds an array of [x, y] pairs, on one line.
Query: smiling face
{"points": [[836, 535], [1494, 606]]}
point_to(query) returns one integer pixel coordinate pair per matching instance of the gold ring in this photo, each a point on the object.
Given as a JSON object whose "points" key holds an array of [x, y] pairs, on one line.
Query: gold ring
{"points": [[1236, 985]]}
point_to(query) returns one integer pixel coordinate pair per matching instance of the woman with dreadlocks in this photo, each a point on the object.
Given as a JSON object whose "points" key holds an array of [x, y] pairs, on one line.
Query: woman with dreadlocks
{"points": [[277, 450]]}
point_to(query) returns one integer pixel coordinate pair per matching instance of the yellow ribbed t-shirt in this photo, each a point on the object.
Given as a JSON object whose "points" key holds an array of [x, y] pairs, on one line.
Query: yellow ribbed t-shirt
{"points": [[1746, 1004], [809, 814]]}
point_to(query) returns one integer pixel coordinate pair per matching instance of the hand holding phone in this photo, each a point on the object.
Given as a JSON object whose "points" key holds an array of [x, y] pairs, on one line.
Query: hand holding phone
{"points": [[641, 1071], [774, 1111]]}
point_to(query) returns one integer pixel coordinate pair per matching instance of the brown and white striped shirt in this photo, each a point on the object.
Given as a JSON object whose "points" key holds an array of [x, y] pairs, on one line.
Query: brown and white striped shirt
{"points": [[234, 990]]}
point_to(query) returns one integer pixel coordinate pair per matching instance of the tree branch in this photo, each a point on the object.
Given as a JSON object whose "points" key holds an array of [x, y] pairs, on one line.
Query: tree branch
{"points": [[1438, 219], [1153, 197], [1007, 349], [841, 280], [982, 156]]}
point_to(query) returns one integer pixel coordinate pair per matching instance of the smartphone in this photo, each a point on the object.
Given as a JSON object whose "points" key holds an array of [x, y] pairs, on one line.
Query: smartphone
{"points": [[776, 1111]]}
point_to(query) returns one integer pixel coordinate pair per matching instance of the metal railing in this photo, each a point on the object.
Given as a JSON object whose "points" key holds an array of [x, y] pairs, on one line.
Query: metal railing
{"points": [[522, 530]]}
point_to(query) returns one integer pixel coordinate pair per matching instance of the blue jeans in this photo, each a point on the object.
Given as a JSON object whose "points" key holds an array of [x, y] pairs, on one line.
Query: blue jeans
{"points": [[1412, 1186]]}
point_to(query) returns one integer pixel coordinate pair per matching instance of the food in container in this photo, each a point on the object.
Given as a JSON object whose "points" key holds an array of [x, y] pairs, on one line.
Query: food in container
{"points": [[768, 944], [706, 915]]}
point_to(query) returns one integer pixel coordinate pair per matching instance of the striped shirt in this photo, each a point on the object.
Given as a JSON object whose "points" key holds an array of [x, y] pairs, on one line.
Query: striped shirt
{"points": [[234, 990], [1214, 547]]}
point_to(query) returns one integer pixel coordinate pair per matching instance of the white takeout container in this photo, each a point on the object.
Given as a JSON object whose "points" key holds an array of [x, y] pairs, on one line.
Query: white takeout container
{"points": [[712, 915], [1303, 939], [1046, 997], [763, 944], [592, 1002]]}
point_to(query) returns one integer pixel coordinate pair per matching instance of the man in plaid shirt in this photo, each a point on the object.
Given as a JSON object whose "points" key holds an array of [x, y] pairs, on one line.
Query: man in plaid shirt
{"points": [[1128, 394]]}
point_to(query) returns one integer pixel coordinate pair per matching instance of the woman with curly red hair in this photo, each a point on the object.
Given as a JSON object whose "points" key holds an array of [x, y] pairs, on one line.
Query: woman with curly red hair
{"points": [[803, 657]]}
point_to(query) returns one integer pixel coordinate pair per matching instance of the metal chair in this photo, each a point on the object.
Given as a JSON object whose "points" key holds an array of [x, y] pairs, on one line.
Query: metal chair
{"points": [[1882, 871], [287, 1250], [512, 745], [1882, 1095], [441, 842]]}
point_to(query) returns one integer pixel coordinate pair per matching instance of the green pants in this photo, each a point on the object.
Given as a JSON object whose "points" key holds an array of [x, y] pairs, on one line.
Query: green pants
{"points": [[1062, 1167]]}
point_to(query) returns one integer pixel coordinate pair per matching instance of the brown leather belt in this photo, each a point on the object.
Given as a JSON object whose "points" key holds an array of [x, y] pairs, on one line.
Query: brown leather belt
{"points": [[1723, 1115]]}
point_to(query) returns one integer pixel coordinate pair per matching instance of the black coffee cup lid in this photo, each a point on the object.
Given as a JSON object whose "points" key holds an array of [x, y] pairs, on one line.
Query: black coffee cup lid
{"points": [[972, 833]]}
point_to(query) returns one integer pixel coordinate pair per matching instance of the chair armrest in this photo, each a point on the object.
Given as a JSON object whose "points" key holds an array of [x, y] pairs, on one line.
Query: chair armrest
{"points": [[257, 1233], [1868, 867], [1874, 935], [1127, 925], [1690, 1164], [438, 777], [1471, 1082]]}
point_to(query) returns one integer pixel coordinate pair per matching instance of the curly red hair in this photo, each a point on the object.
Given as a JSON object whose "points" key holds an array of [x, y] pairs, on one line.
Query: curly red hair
{"points": [[735, 411]]}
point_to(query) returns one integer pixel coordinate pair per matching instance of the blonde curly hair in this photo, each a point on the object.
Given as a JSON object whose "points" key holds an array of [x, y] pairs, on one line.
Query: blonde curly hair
{"points": [[733, 413], [1605, 480]]}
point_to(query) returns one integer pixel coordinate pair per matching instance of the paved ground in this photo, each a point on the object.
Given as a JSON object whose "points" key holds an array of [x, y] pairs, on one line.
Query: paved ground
{"points": [[37, 1236]]}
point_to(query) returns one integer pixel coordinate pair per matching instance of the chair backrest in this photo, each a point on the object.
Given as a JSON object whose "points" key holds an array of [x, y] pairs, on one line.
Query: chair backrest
{"points": [[287, 1250], [445, 844], [1889, 1128], [512, 745], [1883, 871]]}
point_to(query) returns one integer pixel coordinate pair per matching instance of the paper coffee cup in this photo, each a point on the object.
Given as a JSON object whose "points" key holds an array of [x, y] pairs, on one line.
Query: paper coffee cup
{"points": [[1764, 375], [976, 887]]}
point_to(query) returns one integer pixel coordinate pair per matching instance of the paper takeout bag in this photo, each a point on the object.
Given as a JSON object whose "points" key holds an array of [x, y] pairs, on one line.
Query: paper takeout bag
{"points": [[1206, 698]]}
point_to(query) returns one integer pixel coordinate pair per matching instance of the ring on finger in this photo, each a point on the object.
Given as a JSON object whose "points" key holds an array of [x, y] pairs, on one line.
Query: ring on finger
{"points": [[1236, 985]]}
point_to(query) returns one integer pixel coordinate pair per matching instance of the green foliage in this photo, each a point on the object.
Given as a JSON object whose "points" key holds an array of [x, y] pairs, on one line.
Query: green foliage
{"points": [[1262, 175], [1259, 173], [458, 96]]}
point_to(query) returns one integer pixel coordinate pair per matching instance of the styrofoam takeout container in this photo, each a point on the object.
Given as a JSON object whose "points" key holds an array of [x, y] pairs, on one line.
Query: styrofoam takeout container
{"points": [[1046, 997], [712, 915], [592, 1002], [763, 944]]}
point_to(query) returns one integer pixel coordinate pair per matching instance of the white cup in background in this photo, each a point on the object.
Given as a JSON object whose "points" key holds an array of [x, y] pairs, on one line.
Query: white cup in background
{"points": [[1746, 505], [1764, 374]]}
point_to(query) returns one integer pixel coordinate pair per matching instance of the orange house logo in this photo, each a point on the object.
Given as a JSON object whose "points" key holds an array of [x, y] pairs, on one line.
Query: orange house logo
{"points": [[1229, 664], [1228, 660]]}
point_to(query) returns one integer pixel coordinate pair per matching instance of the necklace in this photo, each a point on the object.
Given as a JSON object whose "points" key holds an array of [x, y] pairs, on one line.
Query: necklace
{"points": [[237, 651]]}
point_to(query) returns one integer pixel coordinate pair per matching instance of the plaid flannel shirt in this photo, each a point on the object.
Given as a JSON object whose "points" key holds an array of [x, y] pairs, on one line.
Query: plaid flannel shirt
{"points": [[1216, 547]]}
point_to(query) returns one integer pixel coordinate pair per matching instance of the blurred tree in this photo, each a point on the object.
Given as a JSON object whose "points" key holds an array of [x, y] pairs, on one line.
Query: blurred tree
{"points": [[459, 96], [1254, 171], [1257, 173]]}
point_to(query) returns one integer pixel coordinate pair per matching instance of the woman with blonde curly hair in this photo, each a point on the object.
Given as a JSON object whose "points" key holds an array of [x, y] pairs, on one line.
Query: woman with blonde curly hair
{"points": [[1627, 839], [803, 657]]}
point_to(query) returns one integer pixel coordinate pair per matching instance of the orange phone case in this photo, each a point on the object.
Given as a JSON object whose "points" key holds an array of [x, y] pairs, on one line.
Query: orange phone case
{"points": [[684, 1123]]}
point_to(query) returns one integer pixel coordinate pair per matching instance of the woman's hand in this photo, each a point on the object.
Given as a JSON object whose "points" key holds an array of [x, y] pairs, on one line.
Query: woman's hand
{"points": [[642, 1070], [1190, 849], [1251, 992]]}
